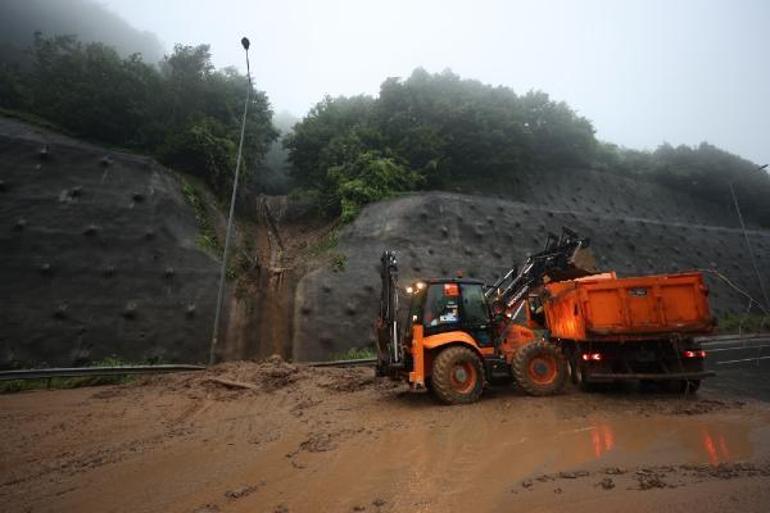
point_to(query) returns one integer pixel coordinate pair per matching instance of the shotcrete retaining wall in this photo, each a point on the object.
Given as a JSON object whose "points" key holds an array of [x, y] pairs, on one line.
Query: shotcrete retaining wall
{"points": [[99, 256], [438, 233]]}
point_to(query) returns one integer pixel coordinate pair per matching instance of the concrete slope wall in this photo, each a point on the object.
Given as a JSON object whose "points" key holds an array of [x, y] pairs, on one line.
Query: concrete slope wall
{"points": [[437, 234], [607, 193], [98, 254], [98, 257]]}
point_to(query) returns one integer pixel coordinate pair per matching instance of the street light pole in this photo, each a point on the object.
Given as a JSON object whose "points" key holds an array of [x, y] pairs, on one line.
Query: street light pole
{"points": [[220, 297], [748, 242]]}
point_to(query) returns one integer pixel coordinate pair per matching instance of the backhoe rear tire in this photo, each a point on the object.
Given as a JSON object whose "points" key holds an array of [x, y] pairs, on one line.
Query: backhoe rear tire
{"points": [[540, 368], [458, 376]]}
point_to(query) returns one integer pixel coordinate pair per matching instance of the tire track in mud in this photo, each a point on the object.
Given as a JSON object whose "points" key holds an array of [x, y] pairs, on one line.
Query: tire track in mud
{"points": [[99, 457]]}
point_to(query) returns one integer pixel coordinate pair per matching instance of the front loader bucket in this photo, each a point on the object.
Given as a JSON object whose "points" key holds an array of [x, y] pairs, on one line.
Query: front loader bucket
{"points": [[581, 263], [583, 260]]}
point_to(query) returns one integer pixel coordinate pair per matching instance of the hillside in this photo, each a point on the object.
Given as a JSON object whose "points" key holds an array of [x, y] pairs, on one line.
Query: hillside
{"points": [[437, 234], [103, 256], [100, 256]]}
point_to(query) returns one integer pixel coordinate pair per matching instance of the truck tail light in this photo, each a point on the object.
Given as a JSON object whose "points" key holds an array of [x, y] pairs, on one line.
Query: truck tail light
{"points": [[695, 354], [595, 357]]}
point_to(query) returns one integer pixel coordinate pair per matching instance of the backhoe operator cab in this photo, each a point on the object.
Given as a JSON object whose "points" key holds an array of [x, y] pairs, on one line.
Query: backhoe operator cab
{"points": [[451, 333]]}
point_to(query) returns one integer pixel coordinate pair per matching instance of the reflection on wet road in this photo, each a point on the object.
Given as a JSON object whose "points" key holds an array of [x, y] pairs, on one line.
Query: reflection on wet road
{"points": [[443, 459], [603, 439], [662, 440]]}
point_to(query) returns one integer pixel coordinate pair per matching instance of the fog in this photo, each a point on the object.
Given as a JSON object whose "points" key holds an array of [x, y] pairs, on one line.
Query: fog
{"points": [[644, 72], [20, 19]]}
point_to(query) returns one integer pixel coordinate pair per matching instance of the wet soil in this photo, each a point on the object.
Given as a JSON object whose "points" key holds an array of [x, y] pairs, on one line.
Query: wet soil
{"points": [[274, 436], [278, 249]]}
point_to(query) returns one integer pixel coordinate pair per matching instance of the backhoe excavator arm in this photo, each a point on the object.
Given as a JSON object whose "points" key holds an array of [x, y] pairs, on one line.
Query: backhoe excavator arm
{"points": [[390, 352]]}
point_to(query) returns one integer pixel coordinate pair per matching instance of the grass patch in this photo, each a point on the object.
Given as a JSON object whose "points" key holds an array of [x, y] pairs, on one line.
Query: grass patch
{"points": [[338, 262], [744, 323], [33, 119], [207, 238], [62, 383], [325, 244], [356, 353]]}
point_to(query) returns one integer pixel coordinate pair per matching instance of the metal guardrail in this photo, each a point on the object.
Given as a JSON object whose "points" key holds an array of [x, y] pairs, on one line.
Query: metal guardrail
{"points": [[60, 372], [738, 347], [68, 372], [729, 338]]}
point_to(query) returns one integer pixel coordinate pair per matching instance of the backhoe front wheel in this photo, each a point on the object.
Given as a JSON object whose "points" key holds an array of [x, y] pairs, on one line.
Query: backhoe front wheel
{"points": [[540, 368], [458, 376]]}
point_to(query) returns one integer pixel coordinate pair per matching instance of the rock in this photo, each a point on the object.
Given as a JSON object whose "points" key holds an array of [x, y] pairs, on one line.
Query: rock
{"points": [[607, 483], [243, 491], [207, 508]]}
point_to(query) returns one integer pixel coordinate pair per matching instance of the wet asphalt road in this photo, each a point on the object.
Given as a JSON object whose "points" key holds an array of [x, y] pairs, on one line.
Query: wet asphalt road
{"points": [[742, 367]]}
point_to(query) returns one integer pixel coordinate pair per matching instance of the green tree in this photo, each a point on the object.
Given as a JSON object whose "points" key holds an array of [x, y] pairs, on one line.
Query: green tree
{"points": [[309, 148], [445, 129], [369, 177], [184, 111]]}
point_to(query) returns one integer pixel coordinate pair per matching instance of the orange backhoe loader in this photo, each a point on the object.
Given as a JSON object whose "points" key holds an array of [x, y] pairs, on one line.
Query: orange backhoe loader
{"points": [[460, 334]]}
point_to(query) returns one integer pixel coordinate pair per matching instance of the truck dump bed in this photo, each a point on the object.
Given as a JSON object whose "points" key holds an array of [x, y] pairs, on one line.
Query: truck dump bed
{"points": [[605, 307]]}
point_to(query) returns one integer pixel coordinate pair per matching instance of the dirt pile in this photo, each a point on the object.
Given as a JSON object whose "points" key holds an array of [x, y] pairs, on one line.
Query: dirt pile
{"points": [[231, 380]]}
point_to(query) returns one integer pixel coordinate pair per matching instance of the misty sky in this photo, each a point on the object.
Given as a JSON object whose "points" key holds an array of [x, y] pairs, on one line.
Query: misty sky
{"points": [[644, 72]]}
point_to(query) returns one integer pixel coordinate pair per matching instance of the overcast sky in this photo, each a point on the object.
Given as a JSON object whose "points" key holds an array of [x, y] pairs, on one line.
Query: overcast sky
{"points": [[644, 71]]}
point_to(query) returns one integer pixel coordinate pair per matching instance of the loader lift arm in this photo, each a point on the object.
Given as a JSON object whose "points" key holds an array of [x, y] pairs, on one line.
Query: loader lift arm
{"points": [[562, 258]]}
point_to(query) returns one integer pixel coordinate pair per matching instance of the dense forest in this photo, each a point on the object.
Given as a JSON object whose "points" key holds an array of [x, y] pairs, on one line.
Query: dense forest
{"points": [[182, 110], [438, 131], [428, 131]]}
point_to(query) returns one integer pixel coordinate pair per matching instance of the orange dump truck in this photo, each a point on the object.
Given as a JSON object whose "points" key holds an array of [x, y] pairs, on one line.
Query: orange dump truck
{"points": [[639, 328]]}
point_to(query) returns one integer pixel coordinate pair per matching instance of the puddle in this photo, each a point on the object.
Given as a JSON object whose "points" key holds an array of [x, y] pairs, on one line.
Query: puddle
{"points": [[444, 467]]}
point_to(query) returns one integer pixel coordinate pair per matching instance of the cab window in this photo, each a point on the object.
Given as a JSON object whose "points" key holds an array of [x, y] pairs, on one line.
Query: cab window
{"points": [[442, 304], [475, 310]]}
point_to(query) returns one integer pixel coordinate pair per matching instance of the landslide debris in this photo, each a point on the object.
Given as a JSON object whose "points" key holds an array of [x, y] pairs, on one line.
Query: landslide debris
{"points": [[232, 379]]}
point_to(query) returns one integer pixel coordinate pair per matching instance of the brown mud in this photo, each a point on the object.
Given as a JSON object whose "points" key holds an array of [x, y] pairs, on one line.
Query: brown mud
{"points": [[275, 436], [278, 247]]}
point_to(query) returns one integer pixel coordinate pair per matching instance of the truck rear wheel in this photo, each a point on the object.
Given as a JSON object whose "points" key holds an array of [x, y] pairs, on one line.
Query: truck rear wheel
{"points": [[684, 386], [458, 376], [578, 378], [540, 368]]}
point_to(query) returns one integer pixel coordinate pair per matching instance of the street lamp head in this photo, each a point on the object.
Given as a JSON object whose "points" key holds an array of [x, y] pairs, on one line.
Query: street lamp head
{"points": [[245, 43]]}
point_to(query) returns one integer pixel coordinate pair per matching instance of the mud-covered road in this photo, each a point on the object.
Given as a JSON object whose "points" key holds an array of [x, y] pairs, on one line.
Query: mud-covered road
{"points": [[314, 440]]}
